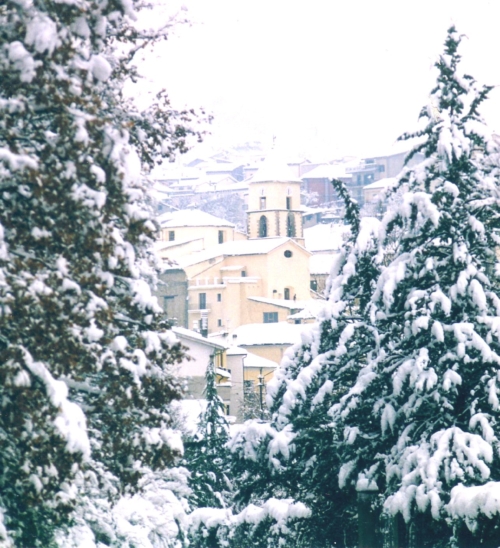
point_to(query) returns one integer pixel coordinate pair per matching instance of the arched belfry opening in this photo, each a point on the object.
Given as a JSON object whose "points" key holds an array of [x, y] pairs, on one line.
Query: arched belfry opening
{"points": [[263, 227], [290, 226]]}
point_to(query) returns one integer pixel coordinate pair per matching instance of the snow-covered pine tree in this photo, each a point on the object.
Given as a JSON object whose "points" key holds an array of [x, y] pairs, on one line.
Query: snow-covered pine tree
{"points": [[207, 457], [77, 323], [296, 455], [421, 421], [206, 452]]}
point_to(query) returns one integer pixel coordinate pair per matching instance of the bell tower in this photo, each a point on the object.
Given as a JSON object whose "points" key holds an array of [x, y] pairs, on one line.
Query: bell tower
{"points": [[274, 202]]}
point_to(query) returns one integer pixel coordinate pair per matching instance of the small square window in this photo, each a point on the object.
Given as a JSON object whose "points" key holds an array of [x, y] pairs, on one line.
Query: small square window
{"points": [[243, 273], [270, 317]]}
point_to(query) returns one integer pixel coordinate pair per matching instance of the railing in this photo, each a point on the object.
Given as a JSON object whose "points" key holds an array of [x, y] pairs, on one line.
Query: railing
{"points": [[362, 168]]}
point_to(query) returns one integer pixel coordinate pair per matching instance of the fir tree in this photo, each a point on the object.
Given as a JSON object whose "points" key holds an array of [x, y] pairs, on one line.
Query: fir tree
{"points": [[207, 456], [207, 453], [80, 332], [421, 421]]}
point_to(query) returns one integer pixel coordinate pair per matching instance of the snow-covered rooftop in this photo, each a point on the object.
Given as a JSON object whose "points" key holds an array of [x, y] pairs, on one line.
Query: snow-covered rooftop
{"points": [[397, 147], [306, 210], [309, 312], [321, 263], [162, 244], [169, 172], [283, 303], [225, 184], [223, 372], [190, 217], [325, 237], [280, 333], [236, 351], [257, 362], [274, 169], [159, 191], [382, 183], [327, 171], [183, 333]]}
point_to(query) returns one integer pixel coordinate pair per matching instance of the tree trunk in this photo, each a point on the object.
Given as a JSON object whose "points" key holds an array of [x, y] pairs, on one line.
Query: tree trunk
{"points": [[368, 520]]}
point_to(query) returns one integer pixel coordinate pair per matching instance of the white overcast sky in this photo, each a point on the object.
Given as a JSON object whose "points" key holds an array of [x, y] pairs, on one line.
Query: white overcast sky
{"points": [[326, 77]]}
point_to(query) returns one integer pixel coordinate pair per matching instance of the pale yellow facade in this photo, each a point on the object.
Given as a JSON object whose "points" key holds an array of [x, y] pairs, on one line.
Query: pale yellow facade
{"points": [[210, 235], [254, 375], [260, 308], [221, 285], [273, 352]]}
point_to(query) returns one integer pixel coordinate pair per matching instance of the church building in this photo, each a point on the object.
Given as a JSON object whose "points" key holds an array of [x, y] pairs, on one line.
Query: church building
{"points": [[246, 281]]}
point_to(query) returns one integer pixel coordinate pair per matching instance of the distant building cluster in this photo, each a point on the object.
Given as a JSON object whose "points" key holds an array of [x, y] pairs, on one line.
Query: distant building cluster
{"points": [[246, 252]]}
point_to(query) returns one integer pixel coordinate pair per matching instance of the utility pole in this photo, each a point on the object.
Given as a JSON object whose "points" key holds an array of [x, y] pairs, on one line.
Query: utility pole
{"points": [[261, 386]]}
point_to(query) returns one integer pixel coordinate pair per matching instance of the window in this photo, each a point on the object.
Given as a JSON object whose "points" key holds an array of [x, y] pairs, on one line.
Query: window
{"points": [[166, 298], [262, 202], [221, 236], [290, 225], [202, 301], [171, 235], [286, 294], [270, 317], [219, 323], [314, 285], [219, 297], [243, 273], [263, 227], [289, 202], [248, 386], [287, 253]]}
